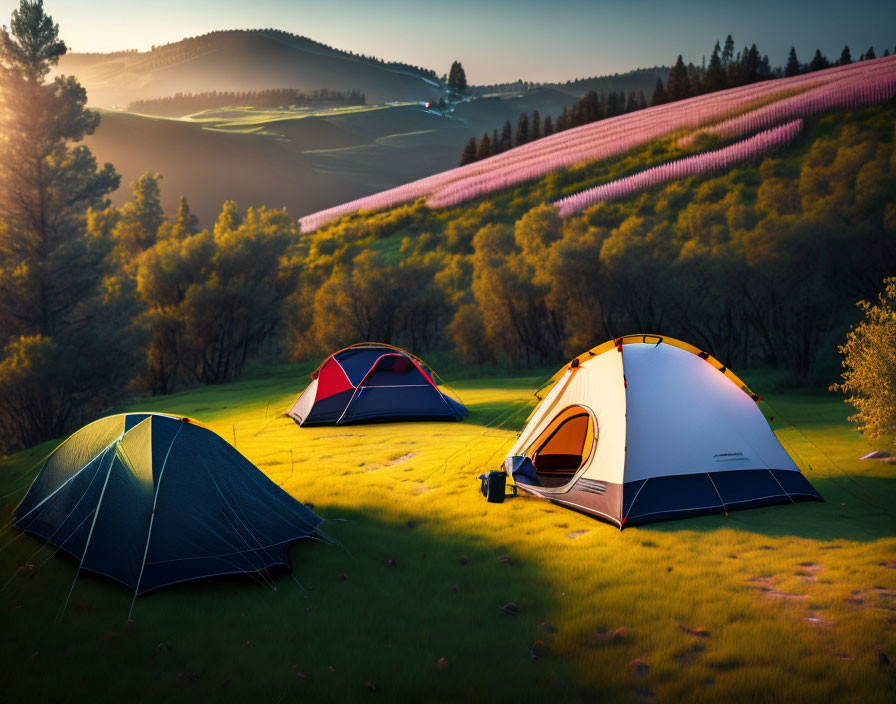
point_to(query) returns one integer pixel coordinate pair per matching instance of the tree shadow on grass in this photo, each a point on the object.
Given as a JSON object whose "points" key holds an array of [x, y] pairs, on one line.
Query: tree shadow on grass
{"points": [[404, 608], [856, 508]]}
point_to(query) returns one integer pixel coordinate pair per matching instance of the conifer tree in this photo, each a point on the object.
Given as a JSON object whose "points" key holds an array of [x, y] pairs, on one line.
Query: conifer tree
{"points": [[870, 54], [659, 94], [484, 150], [506, 136], [522, 129], [845, 56], [715, 74], [819, 61], [728, 55], [469, 153], [496, 143], [793, 67], [677, 87], [548, 128], [457, 78], [62, 342], [535, 128]]}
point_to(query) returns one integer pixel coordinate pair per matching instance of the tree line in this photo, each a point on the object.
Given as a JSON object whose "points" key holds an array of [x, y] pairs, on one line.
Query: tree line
{"points": [[186, 103], [727, 69], [590, 108], [167, 54]]}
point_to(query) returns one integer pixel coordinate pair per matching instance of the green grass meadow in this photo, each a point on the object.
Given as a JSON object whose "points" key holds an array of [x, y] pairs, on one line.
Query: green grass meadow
{"points": [[789, 603]]}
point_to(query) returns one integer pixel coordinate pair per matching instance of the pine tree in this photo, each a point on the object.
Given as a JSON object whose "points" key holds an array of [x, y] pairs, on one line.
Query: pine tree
{"points": [[506, 136], [496, 143], [793, 67], [677, 87], [845, 57], [819, 61], [548, 128], [63, 343], [48, 263], [715, 74], [469, 153], [870, 54], [522, 129], [751, 65], [457, 78], [659, 94], [728, 55], [613, 106], [535, 129], [484, 150]]}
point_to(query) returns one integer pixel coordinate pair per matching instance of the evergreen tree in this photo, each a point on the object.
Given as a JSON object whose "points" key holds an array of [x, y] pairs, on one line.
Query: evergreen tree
{"points": [[469, 153], [765, 69], [484, 150], [793, 67], [522, 129], [751, 65], [613, 106], [60, 352], [457, 78], [819, 61], [506, 136], [728, 55], [677, 87], [659, 96], [496, 143], [715, 74], [535, 129], [870, 54], [845, 56], [548, 128]]}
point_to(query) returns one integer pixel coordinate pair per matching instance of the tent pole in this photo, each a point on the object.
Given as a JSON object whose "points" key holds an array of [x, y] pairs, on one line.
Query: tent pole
{"points": [[96, 513], [724, 507], [152, 517]]}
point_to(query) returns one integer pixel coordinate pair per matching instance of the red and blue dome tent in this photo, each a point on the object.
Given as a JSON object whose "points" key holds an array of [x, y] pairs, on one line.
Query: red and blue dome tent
{"points": [[373, 382]]}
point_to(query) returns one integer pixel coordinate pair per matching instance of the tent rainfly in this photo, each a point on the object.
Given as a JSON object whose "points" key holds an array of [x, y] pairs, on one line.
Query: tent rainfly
{"points": [[373, 382], [151, 499], [646, 428]]}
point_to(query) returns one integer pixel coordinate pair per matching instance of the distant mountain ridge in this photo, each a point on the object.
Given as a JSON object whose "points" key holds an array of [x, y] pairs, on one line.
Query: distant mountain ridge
{"points": [[241, 60]]}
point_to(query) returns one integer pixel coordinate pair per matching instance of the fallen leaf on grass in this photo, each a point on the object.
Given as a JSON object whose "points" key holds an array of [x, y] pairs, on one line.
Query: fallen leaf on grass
{"points": [[510, 608], [539, 650], [639, 667], [699, 632]]}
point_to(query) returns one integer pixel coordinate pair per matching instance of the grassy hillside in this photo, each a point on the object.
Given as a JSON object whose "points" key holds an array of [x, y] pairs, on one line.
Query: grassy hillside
{"points": [[303, 159], [787, 603]]}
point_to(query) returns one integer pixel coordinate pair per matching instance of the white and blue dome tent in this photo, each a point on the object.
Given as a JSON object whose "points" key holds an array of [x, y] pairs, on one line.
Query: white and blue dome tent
{"points": [[149, 500], [646, 428]]}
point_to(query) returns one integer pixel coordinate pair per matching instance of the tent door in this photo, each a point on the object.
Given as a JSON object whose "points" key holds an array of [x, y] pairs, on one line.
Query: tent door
{"points": [[564, 446]]}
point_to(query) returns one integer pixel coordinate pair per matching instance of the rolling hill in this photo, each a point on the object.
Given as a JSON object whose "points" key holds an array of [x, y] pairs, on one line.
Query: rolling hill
{"points": [[305, 160], [239, 61]]}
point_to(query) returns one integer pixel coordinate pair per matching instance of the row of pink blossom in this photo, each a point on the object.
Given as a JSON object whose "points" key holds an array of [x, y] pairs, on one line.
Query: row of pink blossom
{"points": [[699, 164], [598, 140], [611, 138], [867, 91]]}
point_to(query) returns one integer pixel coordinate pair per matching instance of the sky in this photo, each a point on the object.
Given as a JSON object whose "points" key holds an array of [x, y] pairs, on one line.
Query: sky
{"points": [[498, 40]]}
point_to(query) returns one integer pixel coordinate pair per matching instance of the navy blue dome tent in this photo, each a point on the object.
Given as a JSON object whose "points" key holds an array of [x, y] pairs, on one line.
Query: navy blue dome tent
{"points": [[151, 499], [371, 382]]}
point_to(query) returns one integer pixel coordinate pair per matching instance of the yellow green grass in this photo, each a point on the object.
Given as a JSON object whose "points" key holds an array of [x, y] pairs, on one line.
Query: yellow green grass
{"points": [[347, 624]]}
